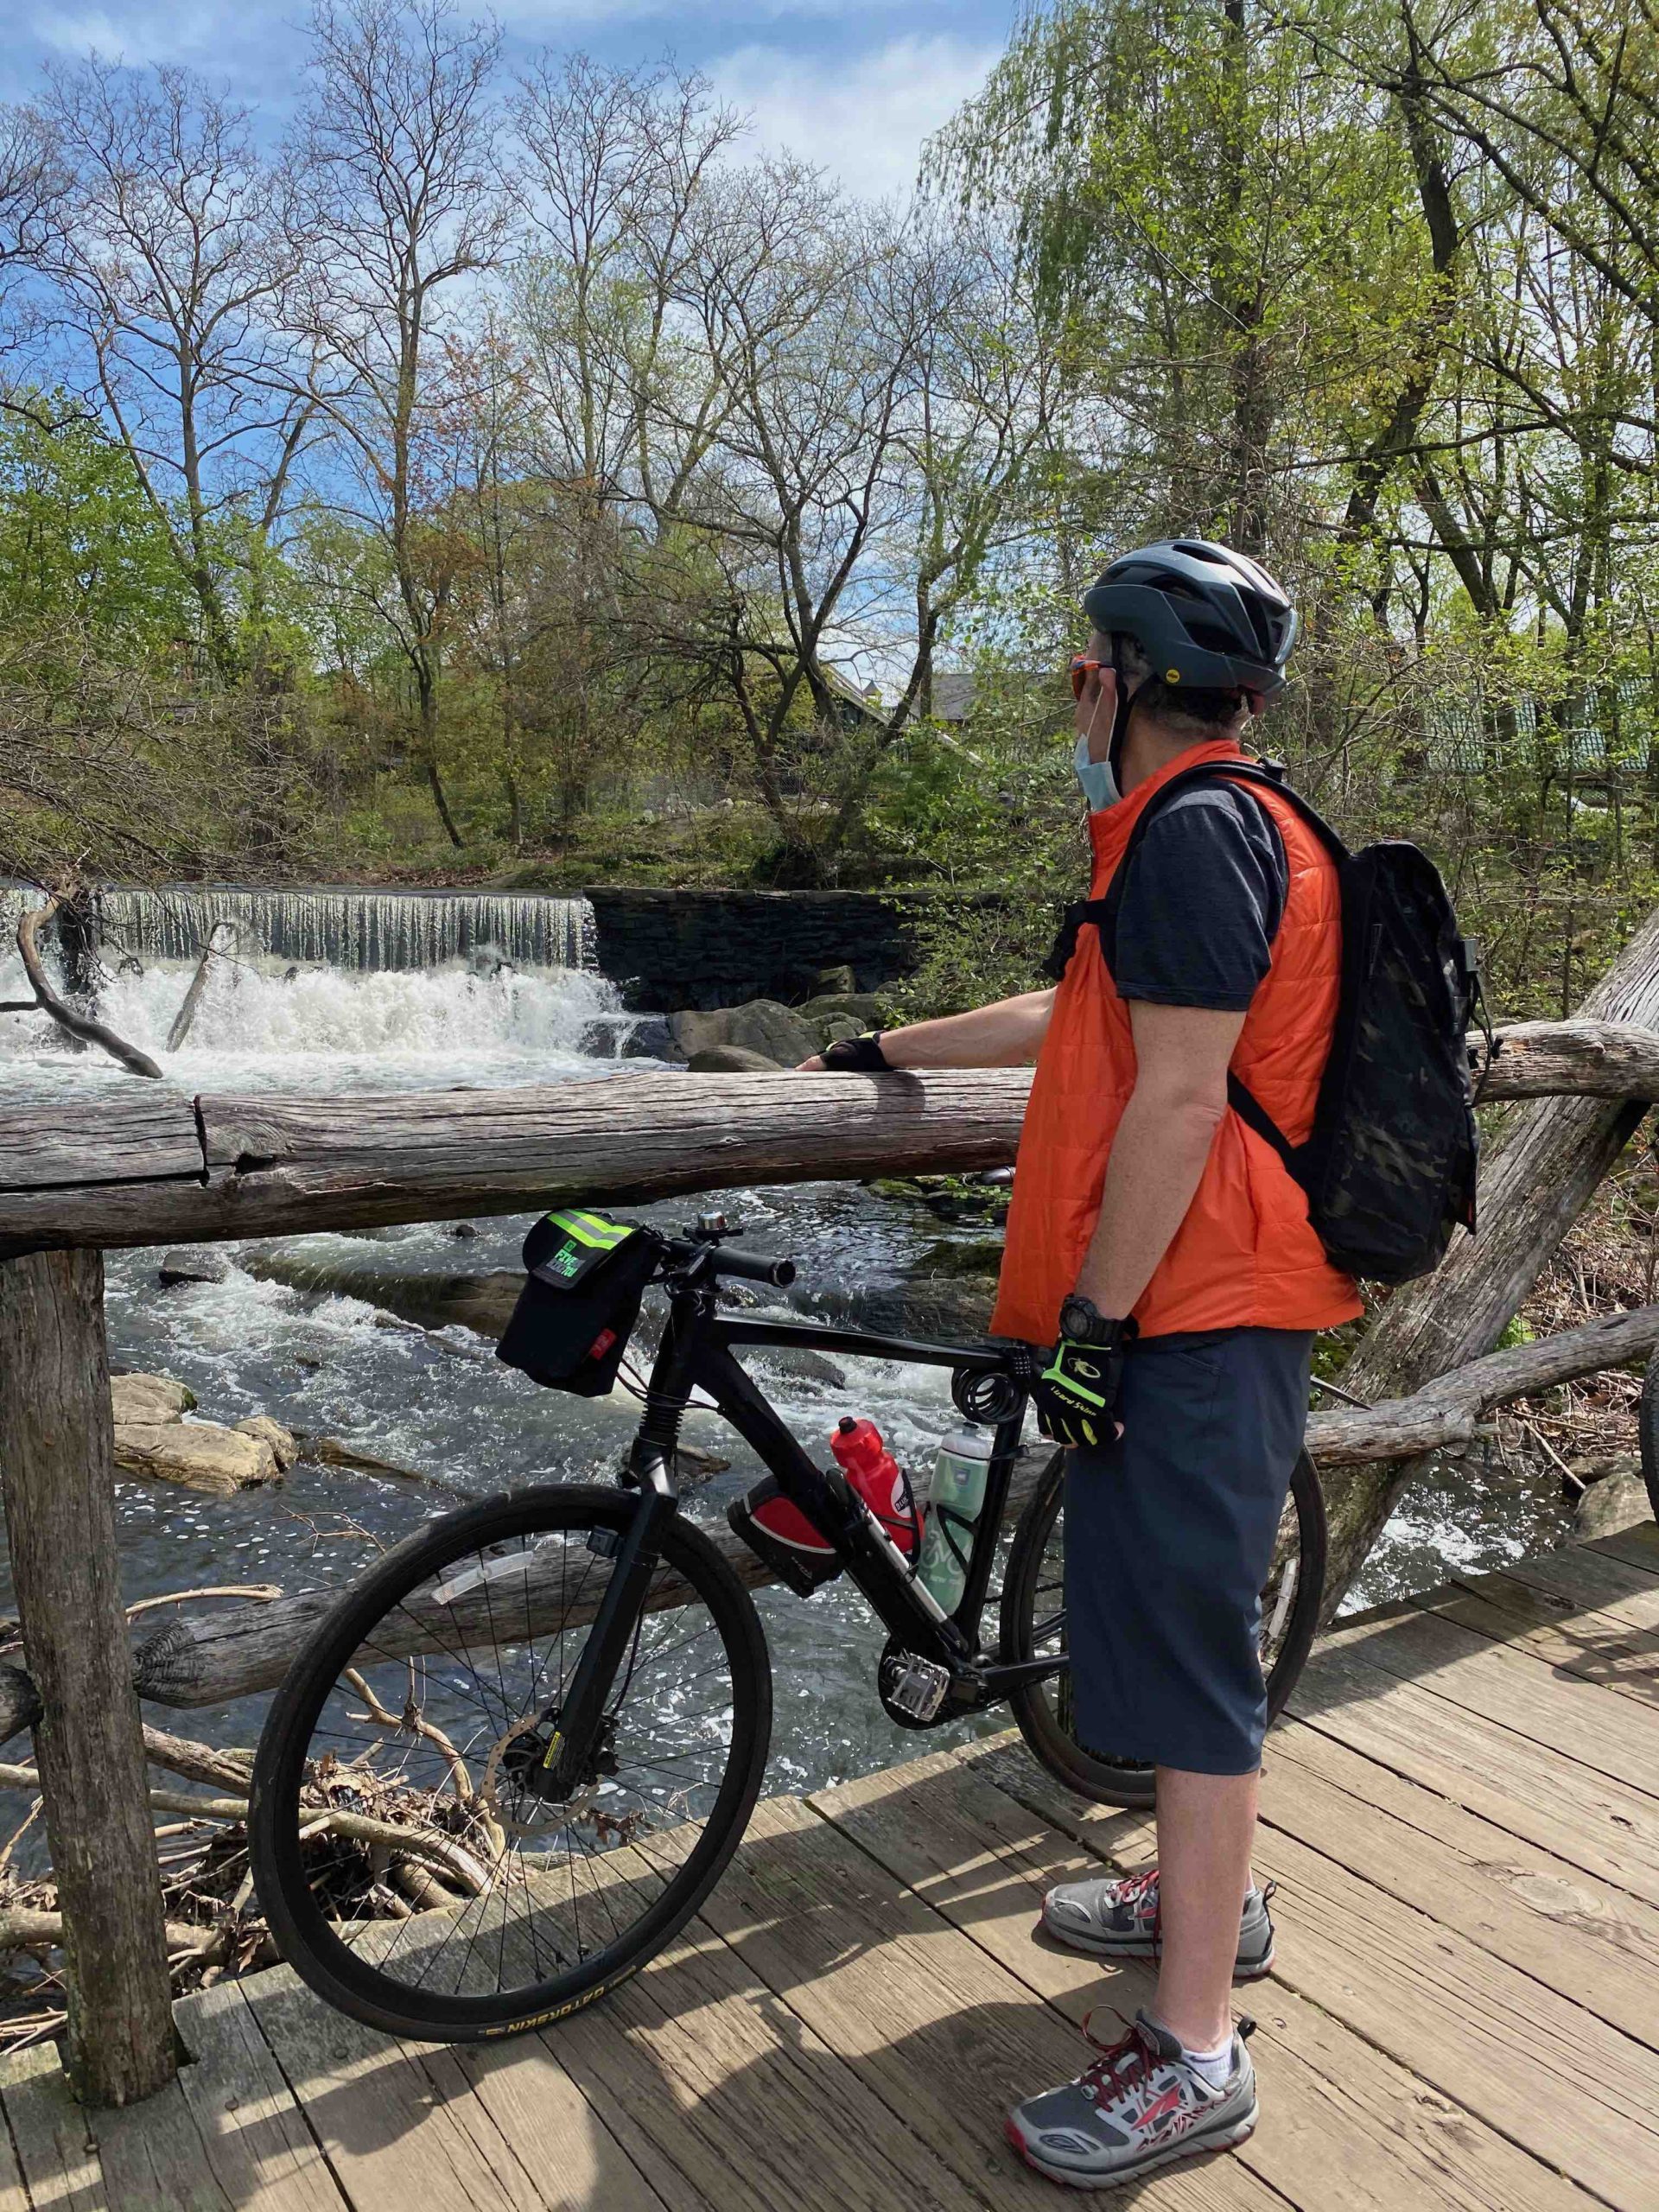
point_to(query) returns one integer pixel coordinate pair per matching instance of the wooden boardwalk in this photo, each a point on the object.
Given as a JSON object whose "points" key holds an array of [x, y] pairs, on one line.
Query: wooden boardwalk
{"points": [[1463, 1819]]}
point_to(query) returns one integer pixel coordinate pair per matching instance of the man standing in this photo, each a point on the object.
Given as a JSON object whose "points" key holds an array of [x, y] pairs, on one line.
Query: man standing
{"points": [[1163, 1249]]}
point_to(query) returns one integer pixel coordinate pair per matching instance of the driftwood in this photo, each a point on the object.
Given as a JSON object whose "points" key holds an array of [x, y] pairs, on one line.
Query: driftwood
{"points": [[98, 1173], [79, 1025], [1531, 1192], [221, 942]]}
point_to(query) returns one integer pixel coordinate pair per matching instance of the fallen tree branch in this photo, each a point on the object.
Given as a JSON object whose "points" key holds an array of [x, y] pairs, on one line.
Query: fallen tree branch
{"points": [[80, 1026], [221, 942]]}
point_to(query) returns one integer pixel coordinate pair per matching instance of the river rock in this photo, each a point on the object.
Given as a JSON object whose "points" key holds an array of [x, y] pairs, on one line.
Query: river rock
{"points": [[149, 1399], [861, 1006], [481, 1302], [761, 1025], [733, 1060], [1617, 1502], [184, 1266], [285, 1450], [197, 1455]]}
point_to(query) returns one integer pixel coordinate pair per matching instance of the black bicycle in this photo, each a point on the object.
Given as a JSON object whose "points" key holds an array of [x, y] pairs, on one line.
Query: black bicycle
{"points": [[521, 1749]]}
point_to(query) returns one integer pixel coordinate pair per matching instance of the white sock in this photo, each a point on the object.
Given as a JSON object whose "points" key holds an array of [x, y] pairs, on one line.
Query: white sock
{"points": [[1213, 2066]]}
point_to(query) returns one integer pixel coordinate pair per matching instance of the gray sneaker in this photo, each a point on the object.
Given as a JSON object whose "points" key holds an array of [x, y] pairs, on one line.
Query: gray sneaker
{"points": [[1113, 1918], [1139, 2106]]}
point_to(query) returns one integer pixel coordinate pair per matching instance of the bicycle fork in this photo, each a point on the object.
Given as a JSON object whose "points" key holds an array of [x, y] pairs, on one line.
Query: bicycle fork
{"points": [[577, 1719]]}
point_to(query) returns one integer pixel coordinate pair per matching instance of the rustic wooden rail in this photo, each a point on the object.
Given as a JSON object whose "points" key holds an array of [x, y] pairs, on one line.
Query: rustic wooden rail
{"points": [[152, 1167], [148, 1166]]}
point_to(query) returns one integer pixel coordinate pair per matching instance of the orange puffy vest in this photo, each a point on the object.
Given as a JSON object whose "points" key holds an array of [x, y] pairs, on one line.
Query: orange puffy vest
{"points": [[1245, 1255]]}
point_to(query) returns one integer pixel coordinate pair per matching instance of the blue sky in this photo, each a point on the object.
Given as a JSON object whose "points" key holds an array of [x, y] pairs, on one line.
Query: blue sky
{"points": [[852, 85]]}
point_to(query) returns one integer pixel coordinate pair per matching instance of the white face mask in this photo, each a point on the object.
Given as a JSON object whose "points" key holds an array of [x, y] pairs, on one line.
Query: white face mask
{"points": [[1099, 783]]}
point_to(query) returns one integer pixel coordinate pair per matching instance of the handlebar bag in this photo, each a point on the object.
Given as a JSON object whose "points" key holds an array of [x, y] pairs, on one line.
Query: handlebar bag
{"points": [[586, 1276]]}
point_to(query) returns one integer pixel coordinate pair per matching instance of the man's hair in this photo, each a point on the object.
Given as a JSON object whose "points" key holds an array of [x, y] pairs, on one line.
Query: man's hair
{"points": [[1186, 710]]}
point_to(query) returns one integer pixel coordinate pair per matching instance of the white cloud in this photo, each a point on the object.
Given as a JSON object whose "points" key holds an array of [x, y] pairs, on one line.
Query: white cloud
{"points": [[178, 35], [865, 119]]}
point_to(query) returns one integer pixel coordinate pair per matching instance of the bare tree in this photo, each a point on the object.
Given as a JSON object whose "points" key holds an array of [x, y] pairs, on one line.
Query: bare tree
{"points": [[394, 145], [31, 186], [172, 250]]}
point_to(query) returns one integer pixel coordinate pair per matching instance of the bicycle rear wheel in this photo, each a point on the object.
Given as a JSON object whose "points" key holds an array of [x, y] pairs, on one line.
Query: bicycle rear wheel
{"points": [[409, 1869], [1033, 1625]]}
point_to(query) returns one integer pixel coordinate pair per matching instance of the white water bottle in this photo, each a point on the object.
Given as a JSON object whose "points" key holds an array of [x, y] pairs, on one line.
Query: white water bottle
{"points": [[960, 1474]]}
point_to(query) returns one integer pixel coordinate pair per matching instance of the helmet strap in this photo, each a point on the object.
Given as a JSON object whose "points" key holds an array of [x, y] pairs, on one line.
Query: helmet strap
{"points": [[1121, 714]]}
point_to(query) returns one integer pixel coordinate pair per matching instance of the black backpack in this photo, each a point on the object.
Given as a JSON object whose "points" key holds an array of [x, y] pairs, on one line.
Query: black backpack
{"points": [[1389, 1167]]}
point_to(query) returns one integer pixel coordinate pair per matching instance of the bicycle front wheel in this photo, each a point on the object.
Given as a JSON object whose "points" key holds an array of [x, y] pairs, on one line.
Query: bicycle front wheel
{"points": [[410, 1866], [1034, 1626]]}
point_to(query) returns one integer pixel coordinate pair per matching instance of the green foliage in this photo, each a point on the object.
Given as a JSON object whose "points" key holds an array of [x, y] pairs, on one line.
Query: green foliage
{"points": [[82, 552]]}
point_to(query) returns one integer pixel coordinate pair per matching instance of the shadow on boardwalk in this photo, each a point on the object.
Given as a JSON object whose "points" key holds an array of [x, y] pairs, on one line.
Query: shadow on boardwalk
{"points": [[1462, 1816]]}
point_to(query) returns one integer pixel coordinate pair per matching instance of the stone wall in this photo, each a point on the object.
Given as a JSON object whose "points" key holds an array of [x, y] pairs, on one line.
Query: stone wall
{"points": [[672, 949]]}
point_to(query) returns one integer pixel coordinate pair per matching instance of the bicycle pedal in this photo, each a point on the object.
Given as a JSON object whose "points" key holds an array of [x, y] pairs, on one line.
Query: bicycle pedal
{"points": [[913, 1686]]}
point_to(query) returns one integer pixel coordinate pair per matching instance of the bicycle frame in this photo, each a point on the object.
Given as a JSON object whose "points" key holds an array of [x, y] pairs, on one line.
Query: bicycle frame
{"points": [[697, 1352]]}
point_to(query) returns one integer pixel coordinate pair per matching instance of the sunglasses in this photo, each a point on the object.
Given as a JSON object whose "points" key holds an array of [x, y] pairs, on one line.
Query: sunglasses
{"points": [[1083, 667]]}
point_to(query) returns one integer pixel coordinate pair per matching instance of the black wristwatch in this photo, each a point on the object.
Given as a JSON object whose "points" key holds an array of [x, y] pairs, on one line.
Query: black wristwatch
{"points": [[1082, 1322]]}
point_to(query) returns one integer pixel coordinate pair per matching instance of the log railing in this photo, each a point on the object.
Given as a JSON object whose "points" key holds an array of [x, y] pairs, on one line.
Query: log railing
{"points": [[149, 1166], [154, 1168]]}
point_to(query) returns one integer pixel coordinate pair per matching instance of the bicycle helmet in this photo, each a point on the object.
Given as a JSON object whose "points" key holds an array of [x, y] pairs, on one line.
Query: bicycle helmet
{"points": [[1201, 614]]}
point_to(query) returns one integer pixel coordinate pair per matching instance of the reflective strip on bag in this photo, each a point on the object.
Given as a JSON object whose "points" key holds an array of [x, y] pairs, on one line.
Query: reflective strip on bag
{"points": [[592, 1229]]}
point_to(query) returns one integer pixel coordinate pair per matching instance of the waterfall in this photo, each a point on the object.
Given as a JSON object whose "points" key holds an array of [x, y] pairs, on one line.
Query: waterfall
{"points": [[368, 930]]}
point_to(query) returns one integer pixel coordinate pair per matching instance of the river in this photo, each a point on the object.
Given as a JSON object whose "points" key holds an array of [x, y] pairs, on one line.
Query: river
{"points": [[441, 1403]]}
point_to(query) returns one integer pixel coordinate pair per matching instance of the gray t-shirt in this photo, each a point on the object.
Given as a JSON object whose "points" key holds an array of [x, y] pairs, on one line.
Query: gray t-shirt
{"points": [[1201, 902]]}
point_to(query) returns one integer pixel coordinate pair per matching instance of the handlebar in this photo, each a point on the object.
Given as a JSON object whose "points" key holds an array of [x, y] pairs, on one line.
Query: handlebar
{"points": [[752, 1267], [712, 1259]]}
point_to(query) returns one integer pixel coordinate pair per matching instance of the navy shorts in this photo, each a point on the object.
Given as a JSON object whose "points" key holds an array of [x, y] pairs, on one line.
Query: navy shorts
{"points": [[1169, 1536]]}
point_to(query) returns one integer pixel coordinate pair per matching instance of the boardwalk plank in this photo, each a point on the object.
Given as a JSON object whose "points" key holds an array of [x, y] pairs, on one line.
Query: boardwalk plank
{"points": [[1617, 1738], [1589, 1646], [51, 2134], [554, 2131], [944, 2034], [394, 2139], [1582, 1575], [1607, 1828], [1624, 1928], [1637, 1546], [1343, 2127], [1540, 2070], [258, 2145], [1620, 1985], [153, 2159], [725, 2097]]}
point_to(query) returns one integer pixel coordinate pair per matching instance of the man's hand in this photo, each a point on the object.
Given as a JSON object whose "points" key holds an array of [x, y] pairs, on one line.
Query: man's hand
{"points": [[1076, 1394]]}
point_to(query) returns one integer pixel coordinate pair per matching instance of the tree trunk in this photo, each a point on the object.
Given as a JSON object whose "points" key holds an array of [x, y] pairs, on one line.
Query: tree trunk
{"points": [[1531, 1192], [56, 1455]]}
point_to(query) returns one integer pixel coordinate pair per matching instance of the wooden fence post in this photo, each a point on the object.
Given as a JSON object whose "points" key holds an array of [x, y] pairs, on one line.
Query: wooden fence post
{"points": [[57, 1461]]}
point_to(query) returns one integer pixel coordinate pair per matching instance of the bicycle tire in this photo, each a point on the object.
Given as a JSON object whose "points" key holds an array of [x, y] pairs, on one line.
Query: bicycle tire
{"points": [[304, 1935], [1127, 1782]]}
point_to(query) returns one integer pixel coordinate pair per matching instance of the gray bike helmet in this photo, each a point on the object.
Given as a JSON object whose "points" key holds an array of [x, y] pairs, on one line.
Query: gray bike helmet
{"points": [[1202, 615]]}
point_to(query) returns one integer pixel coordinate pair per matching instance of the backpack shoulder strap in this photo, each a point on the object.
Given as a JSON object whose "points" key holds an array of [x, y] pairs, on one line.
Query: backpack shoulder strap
{"points": [[1103, 912]]}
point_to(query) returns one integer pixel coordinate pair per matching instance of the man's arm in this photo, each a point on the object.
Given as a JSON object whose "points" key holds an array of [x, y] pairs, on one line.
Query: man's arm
{"points": [[1006, 1034], [1161, 1146]]}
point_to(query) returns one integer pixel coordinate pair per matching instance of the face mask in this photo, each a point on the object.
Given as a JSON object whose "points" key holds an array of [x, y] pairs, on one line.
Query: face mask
{"points": [[1099, 783]]}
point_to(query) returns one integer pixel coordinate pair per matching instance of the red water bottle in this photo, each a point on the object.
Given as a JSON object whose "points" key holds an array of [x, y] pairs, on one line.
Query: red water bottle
{"points": [[873, 1472]]}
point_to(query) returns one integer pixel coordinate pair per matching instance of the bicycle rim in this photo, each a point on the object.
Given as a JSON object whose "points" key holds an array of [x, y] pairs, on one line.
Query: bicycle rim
{"points": [[410, 1871]]}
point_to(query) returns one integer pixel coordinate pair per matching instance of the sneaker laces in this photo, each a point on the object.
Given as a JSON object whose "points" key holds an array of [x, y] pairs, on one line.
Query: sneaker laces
{"points": [[1122, 2065], [1133, 1892]]}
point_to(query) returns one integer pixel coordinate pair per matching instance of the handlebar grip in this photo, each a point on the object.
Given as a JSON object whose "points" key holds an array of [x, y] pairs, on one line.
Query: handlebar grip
{"points": [[755, 1267]]}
